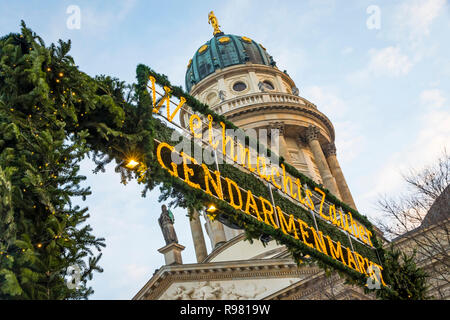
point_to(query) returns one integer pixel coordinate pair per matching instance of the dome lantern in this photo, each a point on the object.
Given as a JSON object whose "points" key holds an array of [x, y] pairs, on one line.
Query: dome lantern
{"points": [[221, 51]]}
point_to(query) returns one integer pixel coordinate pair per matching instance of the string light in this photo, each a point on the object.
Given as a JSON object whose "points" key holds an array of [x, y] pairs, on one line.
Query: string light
{"points": [[132, 164], [38, 245]]}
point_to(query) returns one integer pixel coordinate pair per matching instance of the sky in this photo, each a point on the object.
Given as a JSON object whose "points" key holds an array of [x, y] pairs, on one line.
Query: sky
{"points": [[380, 70]]}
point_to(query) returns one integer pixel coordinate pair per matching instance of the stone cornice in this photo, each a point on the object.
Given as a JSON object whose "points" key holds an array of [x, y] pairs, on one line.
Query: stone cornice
{"points": [[229, 270], [296, 108]]}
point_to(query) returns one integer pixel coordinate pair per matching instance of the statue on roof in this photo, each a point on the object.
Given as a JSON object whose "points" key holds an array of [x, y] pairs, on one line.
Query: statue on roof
{"points": [[166, 221], [212, 20]]}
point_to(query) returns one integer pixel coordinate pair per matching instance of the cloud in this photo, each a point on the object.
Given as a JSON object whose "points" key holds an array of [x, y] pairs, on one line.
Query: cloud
{"points": [[431, 138], [349, 140], [386, 62], [137, 273], [99, 21], [416, 17], [389, 61], [433, 98], [347, 51], [326, 100]]}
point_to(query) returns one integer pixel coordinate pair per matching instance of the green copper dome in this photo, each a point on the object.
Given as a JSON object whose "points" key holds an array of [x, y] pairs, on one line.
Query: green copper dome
{"points": [[222, 51]]}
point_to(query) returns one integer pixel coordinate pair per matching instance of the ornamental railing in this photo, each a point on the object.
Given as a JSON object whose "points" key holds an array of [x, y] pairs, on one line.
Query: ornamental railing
{"points": [[260, 98]]}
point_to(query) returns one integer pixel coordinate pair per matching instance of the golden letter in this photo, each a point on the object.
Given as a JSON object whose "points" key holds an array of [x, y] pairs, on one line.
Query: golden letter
{"points": [[319, 241], [304, 233], [273, 179], [166, 98], [299, 191], [245, 152], [309, 203], [214, 145], [285, 182], [230, 192], [361, 263], [362, 233], [225, 140], [193, 126], [268, 212], [252, 205], [285, 227], [174, 171], [171, 116], [263, 161], [336, 252], [354, 226], [351, 260], [217, 185], [188, 171], [369, 234], [153, 81], [321, 203]]}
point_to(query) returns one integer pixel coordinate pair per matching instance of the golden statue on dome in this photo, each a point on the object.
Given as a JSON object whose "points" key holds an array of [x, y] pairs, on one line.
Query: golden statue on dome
{"points": [[212, 20]]}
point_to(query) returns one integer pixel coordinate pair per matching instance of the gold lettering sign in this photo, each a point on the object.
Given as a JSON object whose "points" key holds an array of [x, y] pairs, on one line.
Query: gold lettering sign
{"points": [[228, 191], [241, 155]]}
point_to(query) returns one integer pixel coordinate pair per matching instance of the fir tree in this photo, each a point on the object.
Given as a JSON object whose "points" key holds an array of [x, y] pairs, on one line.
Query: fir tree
{"points": [[51, 116], [406, 280]]}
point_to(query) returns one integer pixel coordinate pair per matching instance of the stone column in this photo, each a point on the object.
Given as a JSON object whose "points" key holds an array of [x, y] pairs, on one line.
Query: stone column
{"points": [[312, 137], [197, 236], [283, 149], [330, 154], [279, 83], [253, 82], [218, 233]]}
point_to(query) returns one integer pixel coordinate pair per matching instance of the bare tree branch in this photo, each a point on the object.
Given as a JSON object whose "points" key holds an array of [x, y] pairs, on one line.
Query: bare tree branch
{"points": [[420, 220]]}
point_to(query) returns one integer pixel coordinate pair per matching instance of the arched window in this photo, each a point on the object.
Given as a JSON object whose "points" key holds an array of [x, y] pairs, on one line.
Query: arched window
{"points": [[268, 85]]}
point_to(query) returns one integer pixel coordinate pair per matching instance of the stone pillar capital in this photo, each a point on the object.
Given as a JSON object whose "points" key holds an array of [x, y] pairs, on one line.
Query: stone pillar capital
{"points": [[312, 133], [278, 125], [301, 139], [329, 149]]}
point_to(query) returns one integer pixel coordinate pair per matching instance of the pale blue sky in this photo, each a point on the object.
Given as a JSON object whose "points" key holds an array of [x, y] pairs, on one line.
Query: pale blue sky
{"points": [[386, 91]]}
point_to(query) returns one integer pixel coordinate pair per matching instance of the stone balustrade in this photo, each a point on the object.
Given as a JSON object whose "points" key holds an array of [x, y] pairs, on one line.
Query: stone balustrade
{"points": [[260, 98]]}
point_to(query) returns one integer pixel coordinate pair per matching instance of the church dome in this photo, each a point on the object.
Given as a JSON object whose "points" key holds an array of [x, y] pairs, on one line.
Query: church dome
{"points": [[222, 51]]}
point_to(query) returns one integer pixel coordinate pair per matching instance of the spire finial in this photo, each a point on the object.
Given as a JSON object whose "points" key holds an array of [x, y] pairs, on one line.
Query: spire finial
{"points": [[212, 20]]}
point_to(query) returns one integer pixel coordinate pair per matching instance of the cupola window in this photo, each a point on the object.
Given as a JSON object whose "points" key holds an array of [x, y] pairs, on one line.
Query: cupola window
{"points": [[239, 86], [268, 85]]}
